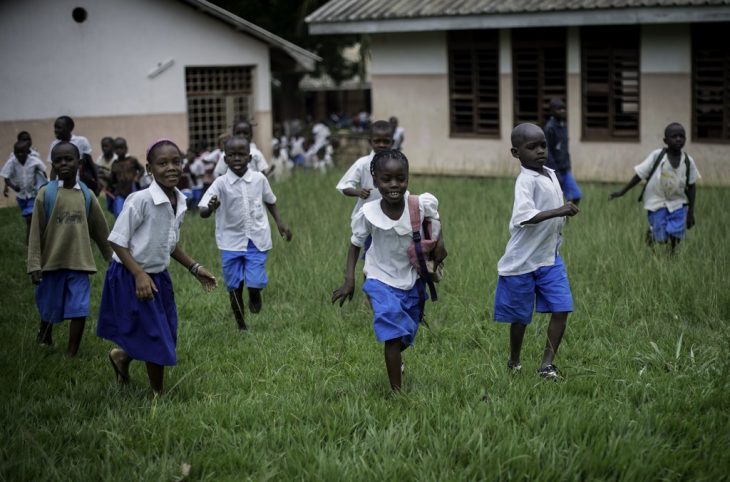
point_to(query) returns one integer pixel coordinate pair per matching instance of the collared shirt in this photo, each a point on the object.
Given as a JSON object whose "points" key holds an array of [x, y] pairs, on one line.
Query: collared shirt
{"points": [[258, 162], [666, 187], [387, 259], [556, 135], [532, 246], [81, 142], [242, 214], [149, 227], [29, 177], [357, 177]]}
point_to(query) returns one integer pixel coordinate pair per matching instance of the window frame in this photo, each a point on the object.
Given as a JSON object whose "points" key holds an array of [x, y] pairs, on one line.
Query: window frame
{"points": [[697, 32]]}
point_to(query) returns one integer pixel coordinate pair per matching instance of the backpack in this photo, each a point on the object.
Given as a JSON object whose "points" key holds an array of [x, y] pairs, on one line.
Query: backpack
{"points": [[426, 234], [654, 167], [49, 200]]}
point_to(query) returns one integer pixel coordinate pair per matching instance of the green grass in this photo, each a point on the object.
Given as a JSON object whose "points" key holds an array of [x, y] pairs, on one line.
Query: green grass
{"points": [[304, 395]]}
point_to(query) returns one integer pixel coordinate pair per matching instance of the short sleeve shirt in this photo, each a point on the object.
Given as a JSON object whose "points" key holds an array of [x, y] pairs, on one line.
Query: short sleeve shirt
{"points": [[28, 177], [666, 187], [242, 214], [149, 227], [81, 142], [358, 176]]}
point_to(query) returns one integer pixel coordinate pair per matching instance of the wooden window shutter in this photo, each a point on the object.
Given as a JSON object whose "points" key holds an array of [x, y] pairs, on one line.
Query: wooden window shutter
{"points": [[710, 83]]}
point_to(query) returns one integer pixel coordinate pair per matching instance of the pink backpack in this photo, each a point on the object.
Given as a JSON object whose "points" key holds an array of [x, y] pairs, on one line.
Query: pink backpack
{"points": [[420, 252]]}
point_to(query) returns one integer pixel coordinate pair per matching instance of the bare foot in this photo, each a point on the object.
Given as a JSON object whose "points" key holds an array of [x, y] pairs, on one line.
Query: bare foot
{"points": [[120, 363]]}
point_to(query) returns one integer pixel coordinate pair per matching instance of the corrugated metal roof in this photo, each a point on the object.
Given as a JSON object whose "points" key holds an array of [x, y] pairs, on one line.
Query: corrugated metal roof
{"points": [[359, 10]]}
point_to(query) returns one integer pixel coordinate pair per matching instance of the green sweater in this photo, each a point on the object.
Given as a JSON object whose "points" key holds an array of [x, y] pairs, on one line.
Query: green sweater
{"points": [[65, 241]]}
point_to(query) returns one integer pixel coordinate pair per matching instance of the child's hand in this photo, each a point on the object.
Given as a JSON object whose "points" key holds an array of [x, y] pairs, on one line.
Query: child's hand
{"points": [[206, 279], [5, 191], [614, 195], [690, 219], [569, 209], [213, 204], [364, 193], [145, 289], [284, 231], [344, 292], [36, 277]]}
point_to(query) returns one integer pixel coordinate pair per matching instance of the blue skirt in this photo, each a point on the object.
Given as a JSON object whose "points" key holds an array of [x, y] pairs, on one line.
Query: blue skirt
{"points": [[397, 312], [145, 329]]}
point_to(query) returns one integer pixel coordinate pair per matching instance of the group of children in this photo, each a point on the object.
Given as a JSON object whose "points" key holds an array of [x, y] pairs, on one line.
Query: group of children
{"points": [[138, 310]]}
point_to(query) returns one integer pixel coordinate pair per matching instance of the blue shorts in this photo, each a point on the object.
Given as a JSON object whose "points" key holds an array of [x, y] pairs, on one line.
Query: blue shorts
{"points": [[247, 267], [63, 294], [664, 224], [396, 312], [570, 188], [26, 206], [514, 301], [118, 204], [109, 202]]}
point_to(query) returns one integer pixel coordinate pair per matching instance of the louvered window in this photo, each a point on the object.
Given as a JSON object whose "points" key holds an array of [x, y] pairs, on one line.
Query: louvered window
{"points": [[610, 71], [710, 82], [474, 83], [538, 67]]}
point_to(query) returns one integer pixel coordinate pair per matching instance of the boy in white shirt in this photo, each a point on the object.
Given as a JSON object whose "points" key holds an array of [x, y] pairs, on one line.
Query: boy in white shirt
{"points": [[531, 267], [242, 230], [24, 174], [669, 193]]}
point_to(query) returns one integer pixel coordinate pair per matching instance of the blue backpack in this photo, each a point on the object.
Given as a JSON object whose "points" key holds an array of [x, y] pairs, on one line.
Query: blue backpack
{"points": [[49, 201]]}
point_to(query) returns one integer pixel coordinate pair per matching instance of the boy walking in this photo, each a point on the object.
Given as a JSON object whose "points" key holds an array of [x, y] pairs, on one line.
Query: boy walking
{"points": [[23, 173], [531, 269], [556, 135]]}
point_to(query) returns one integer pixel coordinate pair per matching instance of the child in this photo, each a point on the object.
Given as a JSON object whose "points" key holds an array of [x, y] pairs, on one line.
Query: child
{"points": [[63, 129], [669, 196], [242, 231], [531, 266], [396, 292], [137, 310], [399, 134], [25, 137], [24, 174], [125, 174], [243, 128], [104, 169], [67, 217], [556, 135]]}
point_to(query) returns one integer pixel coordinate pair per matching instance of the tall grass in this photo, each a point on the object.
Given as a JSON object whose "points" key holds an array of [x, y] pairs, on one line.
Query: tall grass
{"points": [[304, 394]]}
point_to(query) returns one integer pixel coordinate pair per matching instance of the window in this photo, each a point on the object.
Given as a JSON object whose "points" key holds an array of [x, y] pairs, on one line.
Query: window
{"points": [[474, 82], [538, 72], [610, 71], [217, 97], [710, 83]]}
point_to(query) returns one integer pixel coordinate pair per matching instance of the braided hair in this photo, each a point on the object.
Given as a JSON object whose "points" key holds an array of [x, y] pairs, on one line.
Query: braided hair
{"points": [[382, 156]]}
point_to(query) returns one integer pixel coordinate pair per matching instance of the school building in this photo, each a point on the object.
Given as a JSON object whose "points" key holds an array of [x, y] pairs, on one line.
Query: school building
{"points": [[460, 75], [183, 69]]}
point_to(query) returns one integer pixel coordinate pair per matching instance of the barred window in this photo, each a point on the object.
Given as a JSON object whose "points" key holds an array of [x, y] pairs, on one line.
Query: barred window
{"points": [[217, 97], [474, 82], [610, 71], [710, 83], [539, 72]]}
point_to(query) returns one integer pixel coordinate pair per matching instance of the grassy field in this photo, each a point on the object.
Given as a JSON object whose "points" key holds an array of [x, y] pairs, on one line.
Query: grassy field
{"points": [[304, 395]]}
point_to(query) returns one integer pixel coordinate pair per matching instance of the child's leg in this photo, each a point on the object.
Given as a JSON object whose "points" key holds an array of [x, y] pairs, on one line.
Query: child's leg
{"points": [[75, 333], [255, 275], [156, 374], [45, 333], [27, 228], [516, 336], [120, 361], [393, 362], [554, 337], [236, 296]]}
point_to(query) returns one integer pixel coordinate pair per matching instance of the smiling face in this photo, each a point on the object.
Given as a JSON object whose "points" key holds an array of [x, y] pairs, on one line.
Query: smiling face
{"points": [[529, 146], [675, 137], [165, 165], [65, 160], [391, 179], [238, 155]]}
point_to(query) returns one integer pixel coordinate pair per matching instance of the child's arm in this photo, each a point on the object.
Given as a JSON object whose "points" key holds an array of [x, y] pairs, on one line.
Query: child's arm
{"points": [[691, 193], [34, 240], [633, 182], [205, 277], [283, 229], [9, 185], [213, 204], [99, 230], [347, 289], [145, 288], [567, 209], [362, 192]]}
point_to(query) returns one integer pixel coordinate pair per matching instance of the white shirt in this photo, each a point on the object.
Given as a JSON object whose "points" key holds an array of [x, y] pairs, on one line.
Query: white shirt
{"points": [[387, 259], [532, 246], [398, 137], [665, 189], [29, 177], [81, 142], [358, 176], [242, 214], [258, 162], [149, 228]]}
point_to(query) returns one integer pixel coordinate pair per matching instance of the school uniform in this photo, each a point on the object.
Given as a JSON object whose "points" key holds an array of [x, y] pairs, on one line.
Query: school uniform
{"points": [[392, 283], [531, 272], [242, 230], [150, 228], [59, 246], [398, 137], [81, 142], [558, 159], [258, 161], [665, 199], [28, 177]]}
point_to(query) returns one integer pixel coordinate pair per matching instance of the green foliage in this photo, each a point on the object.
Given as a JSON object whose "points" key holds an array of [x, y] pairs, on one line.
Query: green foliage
{"points": [[304, 395]]}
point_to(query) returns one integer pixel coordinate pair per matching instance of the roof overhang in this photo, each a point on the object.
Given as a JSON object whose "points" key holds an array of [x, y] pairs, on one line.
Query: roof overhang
{"points": [[614, 16], [304, 58]]}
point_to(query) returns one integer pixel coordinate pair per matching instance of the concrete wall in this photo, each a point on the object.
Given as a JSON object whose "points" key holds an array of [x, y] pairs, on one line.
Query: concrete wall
{"points": [[410, 80]]}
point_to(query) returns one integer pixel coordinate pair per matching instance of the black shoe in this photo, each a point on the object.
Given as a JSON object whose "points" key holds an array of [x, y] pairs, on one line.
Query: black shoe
{"points": [[254, 300], [549, 372], [514, 367]]}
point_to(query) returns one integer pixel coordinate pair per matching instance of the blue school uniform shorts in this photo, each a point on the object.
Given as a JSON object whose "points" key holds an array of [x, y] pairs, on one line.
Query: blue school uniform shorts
{"points": [[515, 298], [663, 223], [63, 294], [396, 312], [247, 267], [145, 329], [570, 188], [26, 206]]}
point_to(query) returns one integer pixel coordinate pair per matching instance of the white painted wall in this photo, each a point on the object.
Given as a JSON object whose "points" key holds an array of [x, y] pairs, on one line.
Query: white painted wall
{"points": [[53, 65], [405, 53], [666, 49]]}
